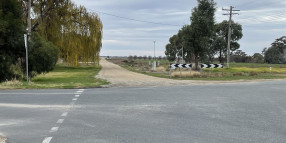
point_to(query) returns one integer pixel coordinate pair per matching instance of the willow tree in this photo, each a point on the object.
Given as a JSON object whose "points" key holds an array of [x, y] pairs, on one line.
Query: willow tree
{"points": [[72, 28]]}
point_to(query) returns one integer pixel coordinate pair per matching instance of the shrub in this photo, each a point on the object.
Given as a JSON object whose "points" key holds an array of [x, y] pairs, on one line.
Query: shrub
{"points": [[43, 55], [253, 73]]}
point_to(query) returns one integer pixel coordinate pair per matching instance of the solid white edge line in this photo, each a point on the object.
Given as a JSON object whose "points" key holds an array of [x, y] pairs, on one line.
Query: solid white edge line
{"points": [[47, 140]]}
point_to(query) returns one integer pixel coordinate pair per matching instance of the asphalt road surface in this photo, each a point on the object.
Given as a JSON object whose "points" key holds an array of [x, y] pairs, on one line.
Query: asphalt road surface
{"points": [[225, 113]]}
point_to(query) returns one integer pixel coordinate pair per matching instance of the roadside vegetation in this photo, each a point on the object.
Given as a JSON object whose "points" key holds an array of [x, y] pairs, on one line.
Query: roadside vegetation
{"points": [[60, 32], [237, 71], [61, 77]]}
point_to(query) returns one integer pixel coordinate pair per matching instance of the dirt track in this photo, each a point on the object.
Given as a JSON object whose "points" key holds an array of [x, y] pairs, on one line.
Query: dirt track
{"points": [[120, 77], [2, 139]]}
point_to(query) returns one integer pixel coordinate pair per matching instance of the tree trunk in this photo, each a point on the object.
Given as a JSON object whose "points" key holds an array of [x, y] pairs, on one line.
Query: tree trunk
{"points": [[220, 58], [196, 62]]}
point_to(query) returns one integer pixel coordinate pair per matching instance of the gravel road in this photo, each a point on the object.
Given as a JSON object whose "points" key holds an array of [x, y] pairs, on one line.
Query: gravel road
{"points": [[120, 77], [2, 139]]}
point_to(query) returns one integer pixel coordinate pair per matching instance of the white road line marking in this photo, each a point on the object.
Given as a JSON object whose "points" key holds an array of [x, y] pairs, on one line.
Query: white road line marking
{"points": [[47, 140], [79, 91], [54, 129], [77, 95], [74, 99], [64, 114], [60, 121]]}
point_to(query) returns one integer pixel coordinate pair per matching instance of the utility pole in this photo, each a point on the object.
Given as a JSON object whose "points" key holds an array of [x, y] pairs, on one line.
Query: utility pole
{"points": [[154, 50], [29, 18], [154, 62], [27, 37], [182, 54], [230, 10]]}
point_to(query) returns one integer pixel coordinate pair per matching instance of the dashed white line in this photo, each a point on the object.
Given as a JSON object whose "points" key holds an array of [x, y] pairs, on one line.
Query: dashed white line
{"points": [[64, 114], [47, 140], [54, 129], [60, 121]]}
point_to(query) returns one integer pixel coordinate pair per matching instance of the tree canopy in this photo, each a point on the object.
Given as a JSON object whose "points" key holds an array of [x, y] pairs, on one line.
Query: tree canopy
{"points": [[11, 37], [77, 32], [277, 52], [203, 38]]}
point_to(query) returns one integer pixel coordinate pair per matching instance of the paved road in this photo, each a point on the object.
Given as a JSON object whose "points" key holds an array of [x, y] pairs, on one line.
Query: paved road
{"points": [[236, 113]]}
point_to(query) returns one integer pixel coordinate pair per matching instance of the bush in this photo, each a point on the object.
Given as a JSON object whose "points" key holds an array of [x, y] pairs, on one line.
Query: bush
{"points": [[43, 55]]}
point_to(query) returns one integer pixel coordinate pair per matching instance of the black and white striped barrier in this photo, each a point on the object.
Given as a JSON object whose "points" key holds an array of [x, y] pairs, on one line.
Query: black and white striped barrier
{"points": [[203, 66], [174, 66]]}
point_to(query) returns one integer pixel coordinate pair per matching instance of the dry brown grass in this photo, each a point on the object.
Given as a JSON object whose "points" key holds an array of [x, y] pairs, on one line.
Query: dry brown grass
{"points": [[186, 74], [13, 82], [160, 69]]}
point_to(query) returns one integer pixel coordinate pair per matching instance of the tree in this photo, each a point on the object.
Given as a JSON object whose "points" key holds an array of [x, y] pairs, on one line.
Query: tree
{"points": [[221, 38], [11, 37], [202, 29], [43, 55], [273, 55], [76, 32], [257, 58], [277, 52], [171, 48], [240, 57], [280, 43]]}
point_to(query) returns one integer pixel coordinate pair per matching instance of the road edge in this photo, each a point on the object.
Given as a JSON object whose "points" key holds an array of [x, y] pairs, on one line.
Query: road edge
{"points": [[3, 139]]}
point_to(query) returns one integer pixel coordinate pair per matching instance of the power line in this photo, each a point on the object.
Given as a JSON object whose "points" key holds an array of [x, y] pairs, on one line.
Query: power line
{"points": [[132, 19]]}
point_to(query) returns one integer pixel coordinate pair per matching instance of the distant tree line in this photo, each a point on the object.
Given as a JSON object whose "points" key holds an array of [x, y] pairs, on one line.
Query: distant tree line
{"points": [[135, 57]]}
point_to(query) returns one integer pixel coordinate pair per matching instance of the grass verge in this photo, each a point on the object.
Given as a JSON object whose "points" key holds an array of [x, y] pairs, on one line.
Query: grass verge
{"points": [[238, 71], [61, 77]]}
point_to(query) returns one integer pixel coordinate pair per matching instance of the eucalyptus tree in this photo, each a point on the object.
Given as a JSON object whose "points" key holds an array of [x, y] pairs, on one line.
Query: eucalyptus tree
{"points": [[221, 38], [202, 29]]}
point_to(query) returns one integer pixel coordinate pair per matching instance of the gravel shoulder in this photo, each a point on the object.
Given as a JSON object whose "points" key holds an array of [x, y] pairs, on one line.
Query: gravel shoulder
{"points": [[2, 139], [120, 77]]}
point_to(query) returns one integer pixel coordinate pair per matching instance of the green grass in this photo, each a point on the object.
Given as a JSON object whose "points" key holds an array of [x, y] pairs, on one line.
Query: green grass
{"points": [[61, 77]]}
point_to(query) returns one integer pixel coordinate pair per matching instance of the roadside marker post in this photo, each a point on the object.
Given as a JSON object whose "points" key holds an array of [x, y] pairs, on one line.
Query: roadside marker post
{"points": [[174, 66], [26, 47], [211, 66]]}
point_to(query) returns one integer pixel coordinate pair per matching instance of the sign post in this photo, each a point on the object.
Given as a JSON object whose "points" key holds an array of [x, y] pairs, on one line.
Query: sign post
{"points": [[26, 46]]}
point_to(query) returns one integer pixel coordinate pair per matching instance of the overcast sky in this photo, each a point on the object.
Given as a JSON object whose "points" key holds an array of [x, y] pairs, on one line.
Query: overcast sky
{"points": [[262, 21]]}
